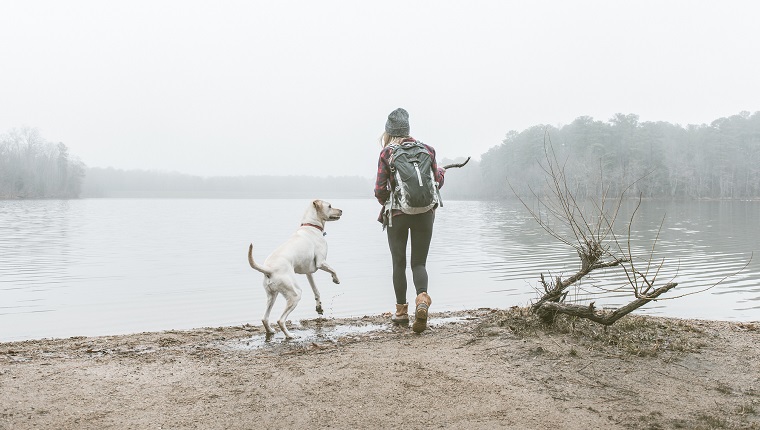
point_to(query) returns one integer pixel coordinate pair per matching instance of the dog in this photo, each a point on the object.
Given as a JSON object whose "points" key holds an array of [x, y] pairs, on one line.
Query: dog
{"points": [[303, 253]]}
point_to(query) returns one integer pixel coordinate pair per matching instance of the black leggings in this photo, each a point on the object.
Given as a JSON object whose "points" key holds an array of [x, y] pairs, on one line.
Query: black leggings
{"points": [[421, 227]]}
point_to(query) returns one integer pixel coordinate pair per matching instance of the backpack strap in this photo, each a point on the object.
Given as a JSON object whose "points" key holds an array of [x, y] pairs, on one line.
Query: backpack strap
{"points": [[391, 163], [388, 211]]}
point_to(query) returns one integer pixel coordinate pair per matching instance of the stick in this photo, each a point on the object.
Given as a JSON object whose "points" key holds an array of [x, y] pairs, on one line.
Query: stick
{"points": [[449, 166]]}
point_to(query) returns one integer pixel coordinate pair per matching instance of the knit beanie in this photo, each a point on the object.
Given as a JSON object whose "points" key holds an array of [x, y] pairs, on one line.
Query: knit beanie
{"points": [[398, 123]]}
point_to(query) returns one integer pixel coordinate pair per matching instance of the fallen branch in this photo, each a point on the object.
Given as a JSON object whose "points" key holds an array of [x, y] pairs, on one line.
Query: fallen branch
{"points": [[549, 310]]}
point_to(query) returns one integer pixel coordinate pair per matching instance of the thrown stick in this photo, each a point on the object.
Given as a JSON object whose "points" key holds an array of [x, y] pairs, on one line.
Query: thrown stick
{"points": [[449, 166]]}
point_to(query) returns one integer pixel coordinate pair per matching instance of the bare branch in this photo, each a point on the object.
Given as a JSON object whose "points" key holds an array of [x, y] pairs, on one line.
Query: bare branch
{"points": [[592, 235]]}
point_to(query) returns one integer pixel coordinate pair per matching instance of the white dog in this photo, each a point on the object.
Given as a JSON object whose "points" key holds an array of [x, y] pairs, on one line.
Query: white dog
{"points": [[304, 253]]}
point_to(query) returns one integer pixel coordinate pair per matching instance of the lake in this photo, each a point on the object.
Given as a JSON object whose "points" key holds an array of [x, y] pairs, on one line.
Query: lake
{"points": [[113, 266]]}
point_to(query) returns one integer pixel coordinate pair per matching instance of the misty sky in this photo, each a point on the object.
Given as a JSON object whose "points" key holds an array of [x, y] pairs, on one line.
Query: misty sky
{"points": [[304, 87]]}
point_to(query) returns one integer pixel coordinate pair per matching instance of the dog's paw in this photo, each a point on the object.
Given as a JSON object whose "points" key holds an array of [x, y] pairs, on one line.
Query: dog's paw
{"points": [[320, 310], [268, 328], [336, 280]]}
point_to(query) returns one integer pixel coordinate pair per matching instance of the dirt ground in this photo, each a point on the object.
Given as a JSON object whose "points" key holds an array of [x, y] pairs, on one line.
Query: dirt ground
{"points": [[477, 369]]}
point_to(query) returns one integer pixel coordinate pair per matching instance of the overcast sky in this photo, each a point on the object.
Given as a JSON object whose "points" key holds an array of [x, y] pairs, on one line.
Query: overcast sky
{"points": [[304, 87]]}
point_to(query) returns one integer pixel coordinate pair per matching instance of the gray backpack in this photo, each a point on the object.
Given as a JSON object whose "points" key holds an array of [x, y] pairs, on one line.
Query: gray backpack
{"points": [[413, 190]]}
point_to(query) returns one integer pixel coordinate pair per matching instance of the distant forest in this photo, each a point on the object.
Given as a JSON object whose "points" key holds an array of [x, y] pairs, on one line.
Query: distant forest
{"points": [[661, 160], [655, 159], [31, 167], [140, 183]]}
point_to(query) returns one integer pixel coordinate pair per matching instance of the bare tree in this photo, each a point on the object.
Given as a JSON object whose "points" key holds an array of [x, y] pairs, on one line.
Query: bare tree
{"points": [[588, 227], [31, 167]]}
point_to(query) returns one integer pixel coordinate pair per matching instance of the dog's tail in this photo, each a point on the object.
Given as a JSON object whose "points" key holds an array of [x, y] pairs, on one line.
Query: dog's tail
{"points": [[256, 266]]}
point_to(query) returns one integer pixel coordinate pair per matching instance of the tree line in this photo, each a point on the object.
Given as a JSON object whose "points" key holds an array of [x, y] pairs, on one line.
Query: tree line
{"points": [[652, 159], [31, 167], [110, 182]]}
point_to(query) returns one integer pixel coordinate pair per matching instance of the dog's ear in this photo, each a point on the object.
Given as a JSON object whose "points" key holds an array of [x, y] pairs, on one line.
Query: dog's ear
{"points": [[316, 204]]}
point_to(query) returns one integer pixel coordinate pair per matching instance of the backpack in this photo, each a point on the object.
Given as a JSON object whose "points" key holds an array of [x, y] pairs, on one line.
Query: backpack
{"points": [[414, 190]]}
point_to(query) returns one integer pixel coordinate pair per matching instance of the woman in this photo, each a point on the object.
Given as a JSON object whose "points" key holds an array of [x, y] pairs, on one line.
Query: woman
{"points": [[400, 225]]}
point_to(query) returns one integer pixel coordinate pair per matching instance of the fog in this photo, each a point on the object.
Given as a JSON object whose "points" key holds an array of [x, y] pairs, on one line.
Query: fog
{"points": [[303, 88]]}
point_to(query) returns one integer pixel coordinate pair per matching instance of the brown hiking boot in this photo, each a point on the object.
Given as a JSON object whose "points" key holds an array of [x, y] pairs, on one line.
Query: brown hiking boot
{"points": [[422, 304], [402, 314]]}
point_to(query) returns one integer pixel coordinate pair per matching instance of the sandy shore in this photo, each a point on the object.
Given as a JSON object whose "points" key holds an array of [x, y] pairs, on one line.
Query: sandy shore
{"points": [[477, 369]]}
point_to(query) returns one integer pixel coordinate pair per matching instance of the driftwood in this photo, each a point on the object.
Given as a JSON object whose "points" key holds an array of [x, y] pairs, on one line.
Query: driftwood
{"points": [[449, 166], [549, 310]]}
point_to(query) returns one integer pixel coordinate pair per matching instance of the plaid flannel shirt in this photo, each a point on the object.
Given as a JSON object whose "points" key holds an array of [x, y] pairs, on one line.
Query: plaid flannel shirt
{"points": [[382, 185]]}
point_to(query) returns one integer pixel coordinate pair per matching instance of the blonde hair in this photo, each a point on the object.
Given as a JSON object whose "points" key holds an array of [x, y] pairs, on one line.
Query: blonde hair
{"points": [[386, 139]]}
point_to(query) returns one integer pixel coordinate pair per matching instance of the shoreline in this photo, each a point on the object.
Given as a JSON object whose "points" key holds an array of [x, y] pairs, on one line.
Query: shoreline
{"points": [[481, 368], [294, 325]]}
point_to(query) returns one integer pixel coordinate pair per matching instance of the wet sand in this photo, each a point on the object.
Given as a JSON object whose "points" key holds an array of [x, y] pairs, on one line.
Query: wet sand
{"points": [[476, 369]]}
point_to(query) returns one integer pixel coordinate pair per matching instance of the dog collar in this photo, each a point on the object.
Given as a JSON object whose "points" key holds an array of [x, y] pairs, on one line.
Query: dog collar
{"points": [[318, 227]]}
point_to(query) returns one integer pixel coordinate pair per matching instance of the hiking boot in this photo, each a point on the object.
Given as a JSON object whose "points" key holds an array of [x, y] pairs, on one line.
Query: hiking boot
{"points": [[402, 314], [422, 304]]}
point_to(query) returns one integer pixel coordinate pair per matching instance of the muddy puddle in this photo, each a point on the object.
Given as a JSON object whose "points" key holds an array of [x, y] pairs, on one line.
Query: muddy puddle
{"points": [[317, 333]]}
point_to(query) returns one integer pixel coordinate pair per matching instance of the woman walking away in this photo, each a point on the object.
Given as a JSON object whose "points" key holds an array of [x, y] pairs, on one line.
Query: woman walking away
{"points": [[408, 179]]}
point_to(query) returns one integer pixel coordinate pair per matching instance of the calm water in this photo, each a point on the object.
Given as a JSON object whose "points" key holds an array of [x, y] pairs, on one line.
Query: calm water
{"points": [[112, 266]]}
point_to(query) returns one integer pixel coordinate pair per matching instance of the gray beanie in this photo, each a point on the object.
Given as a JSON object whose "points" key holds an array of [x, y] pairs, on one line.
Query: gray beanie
{"points": [[398, 123]]}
